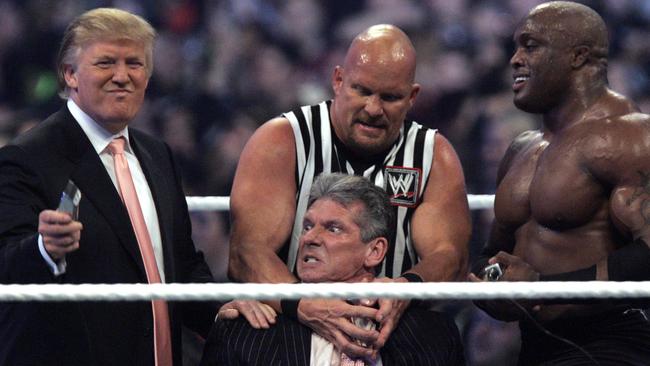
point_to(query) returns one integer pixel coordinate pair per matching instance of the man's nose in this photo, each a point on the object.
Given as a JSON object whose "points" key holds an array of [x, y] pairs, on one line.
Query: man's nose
{"points": [[374, 106], [312, 237], [516, 59], [121, 73]]}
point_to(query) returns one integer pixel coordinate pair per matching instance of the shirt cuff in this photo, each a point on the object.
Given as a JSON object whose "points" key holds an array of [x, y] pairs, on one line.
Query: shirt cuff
{"points": [[56, 268]]}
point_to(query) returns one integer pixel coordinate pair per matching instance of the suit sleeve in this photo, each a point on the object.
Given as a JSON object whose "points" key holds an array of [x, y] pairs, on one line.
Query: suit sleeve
{"points": [[22, 198]]}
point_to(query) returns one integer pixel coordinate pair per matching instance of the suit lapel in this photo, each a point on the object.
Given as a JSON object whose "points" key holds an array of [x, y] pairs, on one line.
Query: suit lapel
{"points": [[161, 193], [96, 186]]}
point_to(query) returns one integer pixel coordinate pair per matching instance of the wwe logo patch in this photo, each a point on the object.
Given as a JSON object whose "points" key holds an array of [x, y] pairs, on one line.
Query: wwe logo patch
{"points": [[403, 185]]}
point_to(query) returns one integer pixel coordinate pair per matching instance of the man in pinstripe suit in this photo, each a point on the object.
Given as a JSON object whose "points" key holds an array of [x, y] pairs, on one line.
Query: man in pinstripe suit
{"points": [[344, 239], [362, 131]]}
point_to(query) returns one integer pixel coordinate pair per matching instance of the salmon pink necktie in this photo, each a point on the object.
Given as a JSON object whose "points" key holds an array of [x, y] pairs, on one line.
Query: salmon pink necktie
{"points": [[162, 333]]}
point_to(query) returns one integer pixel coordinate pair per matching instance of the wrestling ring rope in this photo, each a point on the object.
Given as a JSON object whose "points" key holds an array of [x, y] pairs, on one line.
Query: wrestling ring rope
{"points": [[476, 202], [226, 291]]}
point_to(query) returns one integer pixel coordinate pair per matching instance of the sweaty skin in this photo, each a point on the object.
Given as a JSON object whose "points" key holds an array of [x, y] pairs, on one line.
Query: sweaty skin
{"points": [[576, 190]]}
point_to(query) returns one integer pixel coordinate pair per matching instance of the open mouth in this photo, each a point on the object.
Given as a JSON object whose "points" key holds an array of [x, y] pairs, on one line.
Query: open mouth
{"points": [[519, 82], [310, 259]]}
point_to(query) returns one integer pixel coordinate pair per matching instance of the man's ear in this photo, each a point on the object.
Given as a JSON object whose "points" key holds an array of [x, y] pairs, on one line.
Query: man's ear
{"points": [[580, 56], [375, 252], [414, 93], [337, 79], [70, 76]]}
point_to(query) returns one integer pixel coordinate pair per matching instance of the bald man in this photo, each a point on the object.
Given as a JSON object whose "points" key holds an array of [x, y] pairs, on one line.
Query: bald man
{"points": [[572, 197], [362, 131]]}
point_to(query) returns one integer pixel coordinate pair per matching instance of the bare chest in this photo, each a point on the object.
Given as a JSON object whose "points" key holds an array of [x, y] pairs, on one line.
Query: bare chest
{"points": [[550, 184]]}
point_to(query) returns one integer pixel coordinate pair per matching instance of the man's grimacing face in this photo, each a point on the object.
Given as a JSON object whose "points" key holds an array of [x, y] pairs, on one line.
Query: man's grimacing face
{"points": [[330, 248]]}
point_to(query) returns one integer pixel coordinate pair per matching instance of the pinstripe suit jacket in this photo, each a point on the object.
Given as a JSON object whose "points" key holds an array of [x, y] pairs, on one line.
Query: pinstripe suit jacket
{"points": [[422, 338]]}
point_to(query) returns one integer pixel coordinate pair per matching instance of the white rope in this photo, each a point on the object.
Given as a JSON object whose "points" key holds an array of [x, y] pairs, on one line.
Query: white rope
{"points": [[226, 291], [195, 203]]}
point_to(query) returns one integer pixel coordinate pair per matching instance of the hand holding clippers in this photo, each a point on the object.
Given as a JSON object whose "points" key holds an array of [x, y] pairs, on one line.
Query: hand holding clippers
{"points": [[493, 272], [69, 202]]}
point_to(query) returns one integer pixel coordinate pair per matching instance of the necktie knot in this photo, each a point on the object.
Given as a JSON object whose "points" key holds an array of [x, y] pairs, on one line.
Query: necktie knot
{"points": [[117, 146]]}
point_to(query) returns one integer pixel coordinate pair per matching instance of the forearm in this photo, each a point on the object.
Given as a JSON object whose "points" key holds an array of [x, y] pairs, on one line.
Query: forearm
{"points": [[442, 266], [501, 239], [247, 264]]}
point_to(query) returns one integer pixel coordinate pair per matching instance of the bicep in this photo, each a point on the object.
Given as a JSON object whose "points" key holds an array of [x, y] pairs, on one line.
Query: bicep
{"points": [[263, 194], [441, 223], [630, 211]]}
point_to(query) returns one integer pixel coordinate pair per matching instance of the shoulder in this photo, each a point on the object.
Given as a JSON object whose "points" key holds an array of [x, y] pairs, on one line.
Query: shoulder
{"points": [[146, 139], [145, 143], [634, 126], [524, 140], [445, 157], [275, 138], [275, 127], [46, 144], [617, 147], [518, 145], [48, 133]]}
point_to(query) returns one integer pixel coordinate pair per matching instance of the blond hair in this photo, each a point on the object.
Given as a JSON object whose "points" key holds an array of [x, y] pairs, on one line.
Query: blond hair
{"points": [[102, 24]]}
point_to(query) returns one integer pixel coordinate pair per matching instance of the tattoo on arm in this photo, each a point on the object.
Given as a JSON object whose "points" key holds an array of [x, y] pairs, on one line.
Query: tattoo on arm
{"points": [[642, 193]]}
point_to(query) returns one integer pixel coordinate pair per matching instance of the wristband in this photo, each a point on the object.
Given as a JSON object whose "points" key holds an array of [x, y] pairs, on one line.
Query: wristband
{"points": [[412, 277], [290, 308]]}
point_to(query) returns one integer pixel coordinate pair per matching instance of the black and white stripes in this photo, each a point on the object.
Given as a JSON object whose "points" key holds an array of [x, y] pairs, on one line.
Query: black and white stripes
{"points": [[317, 152]]}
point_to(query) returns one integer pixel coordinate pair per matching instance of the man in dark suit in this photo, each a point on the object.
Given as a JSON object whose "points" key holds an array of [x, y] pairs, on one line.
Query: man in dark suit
{"points": [[344, 239], [105, 63]]}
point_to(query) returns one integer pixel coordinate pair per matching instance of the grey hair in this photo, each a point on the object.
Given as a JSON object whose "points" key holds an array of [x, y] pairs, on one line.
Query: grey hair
{"points": [[102, 24], [377, 218]]}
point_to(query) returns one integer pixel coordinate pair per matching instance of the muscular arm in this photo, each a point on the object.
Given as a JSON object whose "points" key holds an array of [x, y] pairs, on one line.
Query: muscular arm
{"points": [[502, 237], [263, 205], [440, 227], [500, 241], [441, 224]]}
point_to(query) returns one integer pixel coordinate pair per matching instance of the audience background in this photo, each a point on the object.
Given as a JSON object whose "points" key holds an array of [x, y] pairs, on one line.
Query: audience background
{"points": [[222, 67]]}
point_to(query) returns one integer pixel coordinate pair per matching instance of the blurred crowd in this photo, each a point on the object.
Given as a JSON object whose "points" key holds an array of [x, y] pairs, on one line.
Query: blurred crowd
{"points": [[223, 67]]}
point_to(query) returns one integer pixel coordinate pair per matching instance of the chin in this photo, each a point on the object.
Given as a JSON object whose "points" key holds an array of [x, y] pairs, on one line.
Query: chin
{"points": [[528, 107], [369, 147]]}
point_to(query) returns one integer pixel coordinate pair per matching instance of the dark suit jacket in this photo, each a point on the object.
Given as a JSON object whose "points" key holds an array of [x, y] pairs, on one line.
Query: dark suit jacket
{"points": [[422, 337], [34, 170]]}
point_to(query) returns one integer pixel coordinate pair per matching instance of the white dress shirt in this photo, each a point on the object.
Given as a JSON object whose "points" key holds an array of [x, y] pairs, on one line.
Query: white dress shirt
{"points": [[323, 353]]}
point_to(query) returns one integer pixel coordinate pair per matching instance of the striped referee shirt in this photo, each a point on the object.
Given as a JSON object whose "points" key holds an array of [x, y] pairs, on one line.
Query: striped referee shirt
{"points": [[403, 173]]}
